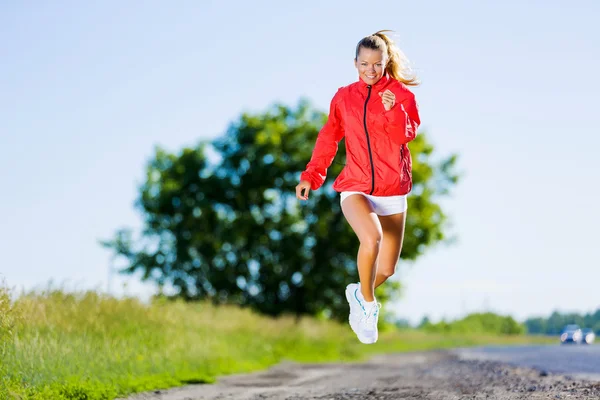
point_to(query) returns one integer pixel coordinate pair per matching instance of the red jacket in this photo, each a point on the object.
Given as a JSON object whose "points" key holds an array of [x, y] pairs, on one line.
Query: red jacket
{"points": [[378, 161]]}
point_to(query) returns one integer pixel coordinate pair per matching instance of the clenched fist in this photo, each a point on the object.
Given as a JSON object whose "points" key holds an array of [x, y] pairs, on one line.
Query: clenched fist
{"points": [[388, 99]]}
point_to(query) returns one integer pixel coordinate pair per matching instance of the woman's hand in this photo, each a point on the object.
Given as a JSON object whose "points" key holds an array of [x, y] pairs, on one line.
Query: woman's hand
{"points": [[302, 190], [388, 98]]}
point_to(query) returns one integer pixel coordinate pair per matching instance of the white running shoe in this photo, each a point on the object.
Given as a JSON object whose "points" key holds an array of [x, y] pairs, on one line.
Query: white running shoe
{"points": [[356, 308], [363, 321], [367, 327]]}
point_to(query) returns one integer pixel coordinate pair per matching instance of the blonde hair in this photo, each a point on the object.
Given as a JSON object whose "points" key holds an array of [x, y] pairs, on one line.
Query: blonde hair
{"points": [[397, 65]]}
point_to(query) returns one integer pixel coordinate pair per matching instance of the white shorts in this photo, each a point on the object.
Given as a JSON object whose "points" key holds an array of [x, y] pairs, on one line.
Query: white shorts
{"points": [[383, 205]]}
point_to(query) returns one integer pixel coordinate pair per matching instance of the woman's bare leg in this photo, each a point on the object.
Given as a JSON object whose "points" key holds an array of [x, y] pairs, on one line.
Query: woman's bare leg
{"points": [[363, 220], [391, 246]]}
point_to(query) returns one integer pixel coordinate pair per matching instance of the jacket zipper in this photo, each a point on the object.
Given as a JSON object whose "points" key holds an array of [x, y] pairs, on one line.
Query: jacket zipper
{"points": [[369, 142]]}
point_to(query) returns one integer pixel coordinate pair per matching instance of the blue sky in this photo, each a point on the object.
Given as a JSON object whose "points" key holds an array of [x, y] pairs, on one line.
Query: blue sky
{"points": [[88, 89]]}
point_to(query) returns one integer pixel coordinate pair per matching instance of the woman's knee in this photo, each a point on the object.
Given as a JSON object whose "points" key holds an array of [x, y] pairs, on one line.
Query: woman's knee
{"points": [[359, 214], [386, 272], [371, 240]]}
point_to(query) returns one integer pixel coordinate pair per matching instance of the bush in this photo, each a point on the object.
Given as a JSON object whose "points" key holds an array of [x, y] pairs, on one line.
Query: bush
{"points": [[8, 317], [478, 323]]}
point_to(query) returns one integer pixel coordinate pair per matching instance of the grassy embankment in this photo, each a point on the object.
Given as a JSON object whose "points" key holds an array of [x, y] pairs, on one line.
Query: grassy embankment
{"points": [[56, 345]]}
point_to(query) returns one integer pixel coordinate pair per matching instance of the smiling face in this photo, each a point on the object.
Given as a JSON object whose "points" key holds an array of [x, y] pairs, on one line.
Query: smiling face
{"points": [[370, 64]]}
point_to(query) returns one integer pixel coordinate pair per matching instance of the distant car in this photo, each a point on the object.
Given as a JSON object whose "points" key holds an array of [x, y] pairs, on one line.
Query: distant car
{"points": [[587, 336], [571, 334]]}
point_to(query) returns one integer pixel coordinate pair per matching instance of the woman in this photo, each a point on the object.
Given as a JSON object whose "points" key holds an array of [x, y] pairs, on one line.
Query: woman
{"points": [[377, 116]]}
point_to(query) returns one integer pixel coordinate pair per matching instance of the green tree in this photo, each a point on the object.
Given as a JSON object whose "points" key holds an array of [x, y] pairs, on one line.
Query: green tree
{"points": [[478, 323], [221, 220], [557, 321]]}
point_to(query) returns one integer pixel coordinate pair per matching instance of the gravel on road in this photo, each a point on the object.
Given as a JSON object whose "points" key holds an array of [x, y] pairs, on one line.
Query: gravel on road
{"points": [[424, 375]]}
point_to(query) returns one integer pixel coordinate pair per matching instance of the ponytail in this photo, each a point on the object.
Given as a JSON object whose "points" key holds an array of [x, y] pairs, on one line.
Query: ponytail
{"points": [[397, 65]]}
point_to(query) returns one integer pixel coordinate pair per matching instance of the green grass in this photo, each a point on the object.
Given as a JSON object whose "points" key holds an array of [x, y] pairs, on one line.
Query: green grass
{"points": [[58, 345]]}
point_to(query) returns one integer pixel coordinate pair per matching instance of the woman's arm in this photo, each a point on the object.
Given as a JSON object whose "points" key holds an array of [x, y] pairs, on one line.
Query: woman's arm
{"points": [[401, 122], [326, 146]]}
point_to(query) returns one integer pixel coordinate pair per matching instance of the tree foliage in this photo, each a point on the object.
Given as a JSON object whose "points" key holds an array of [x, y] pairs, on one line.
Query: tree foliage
{"points": [[221, 220], [553, 324], [483, 323]]}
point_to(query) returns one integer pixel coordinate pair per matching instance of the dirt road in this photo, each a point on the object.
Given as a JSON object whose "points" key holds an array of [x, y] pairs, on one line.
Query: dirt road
{"points": [[431, 375]]}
